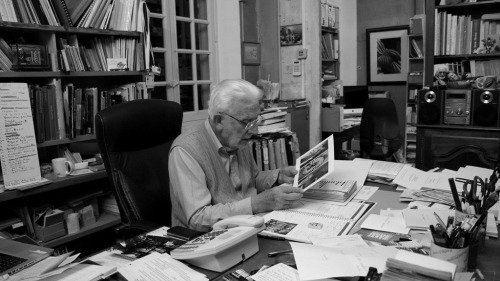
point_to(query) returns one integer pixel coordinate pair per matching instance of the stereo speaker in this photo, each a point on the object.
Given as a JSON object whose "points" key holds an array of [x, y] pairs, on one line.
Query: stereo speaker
{"points": [[485, 108], [430, 107]]}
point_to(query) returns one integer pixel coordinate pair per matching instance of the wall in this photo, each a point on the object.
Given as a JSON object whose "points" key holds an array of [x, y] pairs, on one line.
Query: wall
{"points": [[227, 41]]}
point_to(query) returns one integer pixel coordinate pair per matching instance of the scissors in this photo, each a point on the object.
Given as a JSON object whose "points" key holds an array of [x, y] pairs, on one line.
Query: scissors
{"points": [[471, 195]]}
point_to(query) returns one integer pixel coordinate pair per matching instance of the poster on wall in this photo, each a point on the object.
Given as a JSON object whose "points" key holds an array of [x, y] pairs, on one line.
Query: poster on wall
{"points": [[291, 35]]}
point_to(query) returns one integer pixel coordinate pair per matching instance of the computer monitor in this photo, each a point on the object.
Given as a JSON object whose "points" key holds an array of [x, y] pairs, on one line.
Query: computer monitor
{"points": [[355, 96]]}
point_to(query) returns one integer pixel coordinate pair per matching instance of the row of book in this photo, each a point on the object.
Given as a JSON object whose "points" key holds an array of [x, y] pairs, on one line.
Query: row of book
{"points": [[464, 34], [125, 15], [329, 46], [275, 151], [329, 15], [61, 113], [100, 54]]}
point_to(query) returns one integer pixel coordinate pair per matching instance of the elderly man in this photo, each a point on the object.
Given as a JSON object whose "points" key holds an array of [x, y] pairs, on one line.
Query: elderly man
{"points": [[212, 171]]}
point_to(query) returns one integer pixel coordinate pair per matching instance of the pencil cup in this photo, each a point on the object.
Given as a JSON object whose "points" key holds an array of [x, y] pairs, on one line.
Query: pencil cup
{"points": [[457, 256]]}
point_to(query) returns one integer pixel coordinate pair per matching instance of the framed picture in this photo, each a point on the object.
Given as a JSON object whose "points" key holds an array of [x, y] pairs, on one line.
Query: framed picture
{"points": [[387, 55], [291, 35], [250, 52]]}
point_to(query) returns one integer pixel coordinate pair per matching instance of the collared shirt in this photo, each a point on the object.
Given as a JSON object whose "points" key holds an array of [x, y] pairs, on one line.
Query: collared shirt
{"points": [[188, 179]]}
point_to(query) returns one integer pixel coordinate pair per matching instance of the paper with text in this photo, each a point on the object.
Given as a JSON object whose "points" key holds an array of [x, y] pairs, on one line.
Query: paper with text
{"points": [[385, 223], [18, 149], [413, 178], [159, 267], [277, 272]]}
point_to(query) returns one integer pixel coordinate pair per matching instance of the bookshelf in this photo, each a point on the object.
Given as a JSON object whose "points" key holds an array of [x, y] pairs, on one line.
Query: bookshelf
{"points": [[415, 82], [54, 90], [453, 146]]}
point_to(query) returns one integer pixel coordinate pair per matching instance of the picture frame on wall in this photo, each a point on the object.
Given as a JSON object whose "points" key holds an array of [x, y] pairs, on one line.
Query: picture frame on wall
{"points": [[387, 55], [291, 35], [250, 52]]}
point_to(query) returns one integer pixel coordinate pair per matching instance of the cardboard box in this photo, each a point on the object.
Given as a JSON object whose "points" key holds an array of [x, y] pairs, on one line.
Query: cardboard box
{"points": [[50, 225]]}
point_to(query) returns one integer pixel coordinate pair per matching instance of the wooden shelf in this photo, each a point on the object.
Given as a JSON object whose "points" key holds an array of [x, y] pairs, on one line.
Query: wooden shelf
{"points": [[106, 220], [469, 5], [56, 184], [66, 141], [28, 27], [59, 74]]}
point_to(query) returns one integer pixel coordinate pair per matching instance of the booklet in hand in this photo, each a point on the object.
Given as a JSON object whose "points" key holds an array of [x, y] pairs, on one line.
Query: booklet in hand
{"points": [[315, 164]]}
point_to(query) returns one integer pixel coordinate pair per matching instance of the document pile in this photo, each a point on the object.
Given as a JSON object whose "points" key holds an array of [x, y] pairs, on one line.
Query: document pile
{"points": [[382, 171], [273, 120], [410, 266], [333, 190]]}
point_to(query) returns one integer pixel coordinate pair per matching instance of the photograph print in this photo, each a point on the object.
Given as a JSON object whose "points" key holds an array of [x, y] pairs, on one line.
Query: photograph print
{"points": [[291, 35], [387, 55]]}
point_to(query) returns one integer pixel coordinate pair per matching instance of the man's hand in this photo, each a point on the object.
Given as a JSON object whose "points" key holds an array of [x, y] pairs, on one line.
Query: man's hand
{"points": [[286, 175], [276, 198]]}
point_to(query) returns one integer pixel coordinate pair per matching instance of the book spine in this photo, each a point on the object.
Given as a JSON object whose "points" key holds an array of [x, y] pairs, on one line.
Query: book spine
{"points": [[277, 154], [265, 155], [272, 157]]}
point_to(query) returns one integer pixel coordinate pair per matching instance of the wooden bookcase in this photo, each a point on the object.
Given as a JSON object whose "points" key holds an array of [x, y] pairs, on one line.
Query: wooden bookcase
{"points": [[61, 189], [453, 146]]}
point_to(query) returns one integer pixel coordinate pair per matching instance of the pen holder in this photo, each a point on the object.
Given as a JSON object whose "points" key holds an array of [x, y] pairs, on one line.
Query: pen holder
{"points": [[459, 257]]}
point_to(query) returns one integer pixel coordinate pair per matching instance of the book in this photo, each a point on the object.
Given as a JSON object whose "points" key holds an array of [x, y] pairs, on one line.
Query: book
{"points": [[314, 219], [272, 114], [417, 48], [332, 190], [272, 155], [278, 126], [62, 12], [384, 238]]}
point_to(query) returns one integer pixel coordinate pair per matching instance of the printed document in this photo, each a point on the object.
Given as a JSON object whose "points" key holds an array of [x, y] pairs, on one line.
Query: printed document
{"points": [[413, 178]]}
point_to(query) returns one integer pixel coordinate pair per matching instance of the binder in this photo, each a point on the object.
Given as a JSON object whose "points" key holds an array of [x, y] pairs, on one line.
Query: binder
{"points": [[272, 157], [62, 12]]}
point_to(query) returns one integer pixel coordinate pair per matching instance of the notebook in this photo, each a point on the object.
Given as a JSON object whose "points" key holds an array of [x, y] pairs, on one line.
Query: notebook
{"points": [[16, 256]]}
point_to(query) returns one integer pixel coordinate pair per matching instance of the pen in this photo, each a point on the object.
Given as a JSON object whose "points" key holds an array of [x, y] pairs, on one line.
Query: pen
{"points": [[273, 254], [454, 192]]}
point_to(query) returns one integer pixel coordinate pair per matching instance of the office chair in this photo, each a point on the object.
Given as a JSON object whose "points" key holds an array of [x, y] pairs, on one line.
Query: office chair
{"points": [[379, 130], [134, 139]]}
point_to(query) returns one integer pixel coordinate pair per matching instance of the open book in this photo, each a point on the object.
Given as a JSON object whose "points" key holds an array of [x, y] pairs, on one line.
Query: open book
{"points": [[314, 219]]}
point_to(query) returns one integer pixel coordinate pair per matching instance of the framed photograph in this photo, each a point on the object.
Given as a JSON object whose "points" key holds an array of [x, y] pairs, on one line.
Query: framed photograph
{"points": [[291, 35], [387, 55], [250, 52]]}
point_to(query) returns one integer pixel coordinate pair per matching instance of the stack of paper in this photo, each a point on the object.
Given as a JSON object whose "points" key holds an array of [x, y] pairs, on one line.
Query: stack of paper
{"points": [[273, 120], [332, 190], [410, 266]]}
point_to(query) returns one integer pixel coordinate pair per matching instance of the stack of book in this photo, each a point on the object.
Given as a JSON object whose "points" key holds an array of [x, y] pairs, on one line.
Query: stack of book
{"points": [[332, 190], [273, 120]]}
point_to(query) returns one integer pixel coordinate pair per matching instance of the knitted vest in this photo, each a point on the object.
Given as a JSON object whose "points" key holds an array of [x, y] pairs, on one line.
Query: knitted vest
{"points": [[198, 144]]}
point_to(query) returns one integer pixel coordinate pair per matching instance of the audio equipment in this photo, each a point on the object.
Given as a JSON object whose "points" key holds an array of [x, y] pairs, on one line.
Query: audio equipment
{"points": [[485, 108], [457, 107], [429, 107]]}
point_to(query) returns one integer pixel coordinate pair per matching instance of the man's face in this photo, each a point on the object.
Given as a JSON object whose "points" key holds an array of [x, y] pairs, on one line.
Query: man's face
{"points": [[231, 132]]}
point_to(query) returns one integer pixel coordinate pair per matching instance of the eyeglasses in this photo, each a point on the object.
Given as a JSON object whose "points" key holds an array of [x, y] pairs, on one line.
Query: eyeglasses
{"points": [[247, 125]]}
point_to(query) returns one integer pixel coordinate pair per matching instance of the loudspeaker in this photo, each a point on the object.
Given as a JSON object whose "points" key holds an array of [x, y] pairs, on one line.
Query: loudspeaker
{"points": [[429, 107], [485, 108]]}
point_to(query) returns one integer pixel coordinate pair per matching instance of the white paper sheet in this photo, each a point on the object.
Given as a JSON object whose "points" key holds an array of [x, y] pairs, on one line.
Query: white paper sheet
{"points": [[385, 223], [278, 272], [413, 178], [337, 262]]}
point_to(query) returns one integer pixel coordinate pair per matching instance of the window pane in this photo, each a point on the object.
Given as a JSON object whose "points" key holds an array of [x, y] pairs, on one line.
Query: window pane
{"points": [[159, 92], [160, 61], [200, 9], [156, 32], [153, 5], [187, 101], [203, 96], [182, 8], [203, 67], [183, 35], [185, 67], [201, 36]]}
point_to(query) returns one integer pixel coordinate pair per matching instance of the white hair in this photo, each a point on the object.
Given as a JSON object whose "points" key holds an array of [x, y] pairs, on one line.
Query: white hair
{"points": [[226, 93]]}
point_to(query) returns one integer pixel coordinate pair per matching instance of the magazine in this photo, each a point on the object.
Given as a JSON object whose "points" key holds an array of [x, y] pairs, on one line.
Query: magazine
{"points": [[315, 164]]}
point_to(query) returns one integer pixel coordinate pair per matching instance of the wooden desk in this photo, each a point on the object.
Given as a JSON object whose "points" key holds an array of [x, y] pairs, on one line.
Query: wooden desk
{"points": [[488, 258]]}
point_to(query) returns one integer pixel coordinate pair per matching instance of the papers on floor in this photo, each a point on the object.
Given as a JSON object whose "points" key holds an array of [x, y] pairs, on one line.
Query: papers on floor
{"points": [[159, 267]]}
